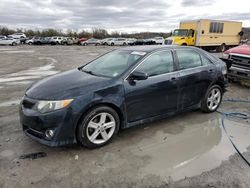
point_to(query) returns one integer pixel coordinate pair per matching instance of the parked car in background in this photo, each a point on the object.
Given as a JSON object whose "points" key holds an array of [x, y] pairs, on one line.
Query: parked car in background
{"points": [[56, 40], [117, 42], [23, 40], [123, 88], [17, 35], [149, 41], [140, 42], [131, 41], [2, 37], [75, 40], [67, 41], [91, 41], [159, 40], [41, 40], [104, 41], [29, 40], [81, 40], [240, 62], [9, 41]]}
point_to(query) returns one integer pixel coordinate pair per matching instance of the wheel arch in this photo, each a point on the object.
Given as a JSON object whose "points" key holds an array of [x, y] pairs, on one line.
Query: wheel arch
{"points": [[95, 105], [219, 83]]}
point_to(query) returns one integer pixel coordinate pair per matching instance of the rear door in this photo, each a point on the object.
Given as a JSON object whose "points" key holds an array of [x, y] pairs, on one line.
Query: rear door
{"points": [[156, 95], [197, 72], [119, 41]]}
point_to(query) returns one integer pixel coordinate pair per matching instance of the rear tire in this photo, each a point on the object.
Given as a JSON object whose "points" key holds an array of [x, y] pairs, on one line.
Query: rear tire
{"points": [[98, 127], [212, 99]]}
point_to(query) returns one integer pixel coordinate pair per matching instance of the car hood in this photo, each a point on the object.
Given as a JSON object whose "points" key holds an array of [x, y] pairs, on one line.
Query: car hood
{"points": [[243, 49], [69, 84]]}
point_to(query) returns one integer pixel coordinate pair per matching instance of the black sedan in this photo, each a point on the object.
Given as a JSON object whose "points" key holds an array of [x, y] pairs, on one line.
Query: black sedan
{"points": [[125, 87]]}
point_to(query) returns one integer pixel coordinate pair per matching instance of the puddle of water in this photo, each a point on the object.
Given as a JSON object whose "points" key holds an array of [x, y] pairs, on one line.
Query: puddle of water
{"points": [[10, 103], [93, 54], [239, 132], [17, 51], [3, 80], [4, 49], [24, 76], [52, 60], [6, 153], [200, 147], [18, 83]]}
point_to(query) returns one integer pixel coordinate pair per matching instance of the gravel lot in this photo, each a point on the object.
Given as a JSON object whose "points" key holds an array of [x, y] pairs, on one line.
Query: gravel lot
{"points": [[187, 150]]}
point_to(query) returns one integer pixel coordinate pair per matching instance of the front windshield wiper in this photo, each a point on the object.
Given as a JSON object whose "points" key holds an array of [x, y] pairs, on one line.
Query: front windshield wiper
{"points": [[88, 71]]}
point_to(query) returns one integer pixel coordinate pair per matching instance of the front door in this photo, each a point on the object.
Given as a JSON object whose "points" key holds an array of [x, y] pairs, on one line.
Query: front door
{"points": [[156, 95]]}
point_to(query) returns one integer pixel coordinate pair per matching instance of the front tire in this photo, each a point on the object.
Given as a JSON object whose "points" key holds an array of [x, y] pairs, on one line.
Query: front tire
{"points": [[98, 127], [212, 99]]}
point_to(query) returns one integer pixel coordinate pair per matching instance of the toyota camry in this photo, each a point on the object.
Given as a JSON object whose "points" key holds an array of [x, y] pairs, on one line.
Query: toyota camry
{"points": [[125, 87]]}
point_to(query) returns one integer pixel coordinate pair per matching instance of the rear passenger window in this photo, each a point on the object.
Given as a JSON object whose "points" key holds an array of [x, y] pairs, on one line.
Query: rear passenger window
{"points": [[158, 63], [205, 61], [188, 59]]}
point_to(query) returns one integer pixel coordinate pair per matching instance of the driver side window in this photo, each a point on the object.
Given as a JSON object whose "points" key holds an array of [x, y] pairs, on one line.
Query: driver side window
{"points": [[157, 64]]}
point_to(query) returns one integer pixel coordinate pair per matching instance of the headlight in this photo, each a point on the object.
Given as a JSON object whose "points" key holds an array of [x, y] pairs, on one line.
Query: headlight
{"points": [[48, 106]]}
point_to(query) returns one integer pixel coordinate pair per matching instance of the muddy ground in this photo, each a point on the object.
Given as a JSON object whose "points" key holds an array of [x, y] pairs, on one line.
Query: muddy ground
{"points": [[187, 150]]}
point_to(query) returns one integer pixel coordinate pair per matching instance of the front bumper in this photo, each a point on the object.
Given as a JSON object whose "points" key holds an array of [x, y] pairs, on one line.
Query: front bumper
{"points": [[236, 73], [35, 124]]}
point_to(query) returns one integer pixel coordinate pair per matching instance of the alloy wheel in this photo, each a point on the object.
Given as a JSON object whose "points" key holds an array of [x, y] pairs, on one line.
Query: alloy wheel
{"points": [[214, 98], [101, 128]]}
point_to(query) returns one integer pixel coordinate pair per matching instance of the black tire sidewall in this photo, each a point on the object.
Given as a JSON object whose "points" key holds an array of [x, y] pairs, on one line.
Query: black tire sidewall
{"points": [[204, 106], [82, 127]]}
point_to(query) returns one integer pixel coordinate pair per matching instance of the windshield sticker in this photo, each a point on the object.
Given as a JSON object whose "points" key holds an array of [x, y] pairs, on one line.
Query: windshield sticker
{"points": [[138, 53]]}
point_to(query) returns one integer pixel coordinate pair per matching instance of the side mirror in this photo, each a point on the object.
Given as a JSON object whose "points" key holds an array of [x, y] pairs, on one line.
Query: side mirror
{"points": [[137, 75]]}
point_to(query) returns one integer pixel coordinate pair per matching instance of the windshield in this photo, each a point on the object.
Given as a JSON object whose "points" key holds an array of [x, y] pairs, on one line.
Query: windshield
{"points": [[112, 64], [180, 32]]}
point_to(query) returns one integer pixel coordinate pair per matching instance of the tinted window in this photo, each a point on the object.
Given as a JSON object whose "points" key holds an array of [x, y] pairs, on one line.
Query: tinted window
{"points": [[158, 63], [188, 59], [205, 61]]}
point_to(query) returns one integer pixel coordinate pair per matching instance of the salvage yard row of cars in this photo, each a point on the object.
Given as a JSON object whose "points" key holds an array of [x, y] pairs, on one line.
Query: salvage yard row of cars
{"points": [[20, 38]]}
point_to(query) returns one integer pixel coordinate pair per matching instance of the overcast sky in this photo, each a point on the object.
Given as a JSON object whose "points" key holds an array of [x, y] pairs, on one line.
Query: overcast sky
{"points": [[126, 15]]}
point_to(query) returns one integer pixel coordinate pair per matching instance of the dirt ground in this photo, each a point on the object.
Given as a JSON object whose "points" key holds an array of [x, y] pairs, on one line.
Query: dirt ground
{"points": [[187, 150]]}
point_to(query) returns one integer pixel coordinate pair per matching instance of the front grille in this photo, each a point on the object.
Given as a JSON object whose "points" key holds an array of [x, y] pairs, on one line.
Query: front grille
{"points": [[168, 42], [241, 62], [28, 103]]}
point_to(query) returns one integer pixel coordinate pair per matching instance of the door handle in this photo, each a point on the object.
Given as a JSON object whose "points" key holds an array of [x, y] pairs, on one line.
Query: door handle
{"points": [[211, 70], [173, 79]]}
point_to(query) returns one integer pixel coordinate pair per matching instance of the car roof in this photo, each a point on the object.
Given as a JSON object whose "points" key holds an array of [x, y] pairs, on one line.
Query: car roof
{"points": [[151, 48]]}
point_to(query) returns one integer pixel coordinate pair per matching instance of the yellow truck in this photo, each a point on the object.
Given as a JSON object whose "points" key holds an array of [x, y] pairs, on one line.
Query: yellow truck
{"points": [[207, 34]]}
